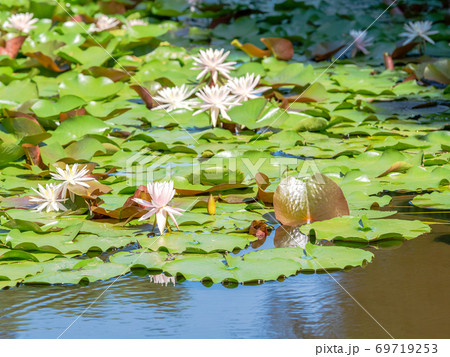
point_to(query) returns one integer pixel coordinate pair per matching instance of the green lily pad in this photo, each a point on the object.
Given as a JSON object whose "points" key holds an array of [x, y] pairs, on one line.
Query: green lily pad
{"points": [[87, 87], [365, 230], [434, 200]]}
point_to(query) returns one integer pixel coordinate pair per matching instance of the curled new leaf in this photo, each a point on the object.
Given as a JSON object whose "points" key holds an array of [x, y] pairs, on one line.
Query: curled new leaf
{"points": [[316, 198]]}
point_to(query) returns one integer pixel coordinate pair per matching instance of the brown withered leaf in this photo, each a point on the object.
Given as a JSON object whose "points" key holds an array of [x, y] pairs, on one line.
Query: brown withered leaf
{"points": [[280, 47]]}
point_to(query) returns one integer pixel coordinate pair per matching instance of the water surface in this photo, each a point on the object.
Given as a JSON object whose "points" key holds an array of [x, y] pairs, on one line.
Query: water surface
{"points": [[405, 289]]}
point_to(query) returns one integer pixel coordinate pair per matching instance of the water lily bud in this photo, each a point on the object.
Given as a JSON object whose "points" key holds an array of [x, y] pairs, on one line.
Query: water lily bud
{"points": [[316, 198], [211, 205]]}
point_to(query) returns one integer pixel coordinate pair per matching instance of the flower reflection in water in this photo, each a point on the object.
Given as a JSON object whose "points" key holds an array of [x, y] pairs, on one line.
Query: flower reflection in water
{"points": [[162, 279]]}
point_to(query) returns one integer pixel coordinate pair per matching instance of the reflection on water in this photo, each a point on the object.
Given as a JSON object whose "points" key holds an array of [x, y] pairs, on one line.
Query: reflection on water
{"points": [[405, 289]]}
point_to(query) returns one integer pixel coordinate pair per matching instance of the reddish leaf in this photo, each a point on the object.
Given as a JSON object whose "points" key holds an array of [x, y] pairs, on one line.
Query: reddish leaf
{"points": [[388, 63], [281, 48], [280, 98], [395, 10], [14, 114], [33, 153], [118, 213], [47, 62], [13, 46], [316, 198], [99, 175], [114, 74], [82, 18], [326, 50], [262, 181], [402, 51], [16, 202], [72, 113], [141, 193], [112, 7], [144, 94], [258, 229]]}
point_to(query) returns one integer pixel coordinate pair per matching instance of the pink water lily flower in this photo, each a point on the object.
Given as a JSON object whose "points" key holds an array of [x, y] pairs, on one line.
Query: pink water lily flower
{"points": [[161, 194]]}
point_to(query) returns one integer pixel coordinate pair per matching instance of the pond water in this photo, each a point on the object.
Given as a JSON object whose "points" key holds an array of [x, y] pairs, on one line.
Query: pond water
{"points": [[405, 289]]}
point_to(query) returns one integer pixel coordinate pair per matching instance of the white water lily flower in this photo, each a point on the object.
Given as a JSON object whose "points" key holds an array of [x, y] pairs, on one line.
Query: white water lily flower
{"points": [[193, 5], [104, 23], [134, 22], [49, 198], [74, 176], [217, 100], [212, 61], [162, 279], [361, 42], [175, 98], [21, 22], [161, 194], [418, 29], [244, 88]]}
